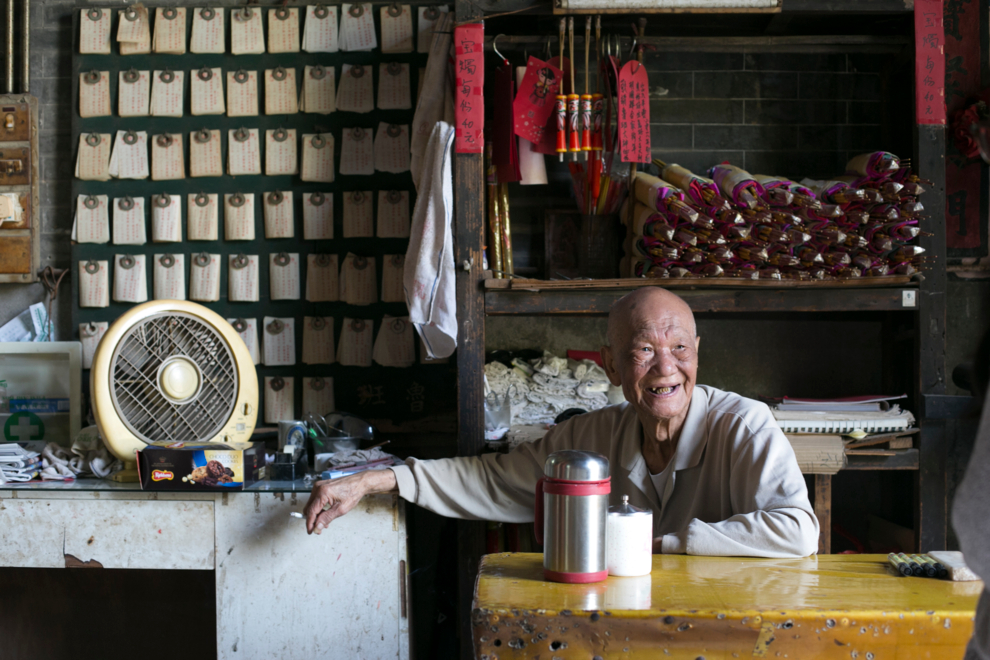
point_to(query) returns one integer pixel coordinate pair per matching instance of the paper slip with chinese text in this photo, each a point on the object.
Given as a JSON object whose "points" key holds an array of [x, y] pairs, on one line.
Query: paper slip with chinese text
{"points": [[318, 344], [279, 218], [318, 395], [238, 216], [204, 277], [392, 148], [283, 30], [242, 278], [279, 398], [356, 90], [206, 92], [321, 278], [393, 214], [134, 31], [203, 216], [283, 276], [393, 86], [318, 93], [166, 218], [397, 29], [427, 16], [357, 27], [167, 162], [93, 160], [357, 155], [247, 329], [320, 30], [166, 93], [354, 347], [280, 91], [92, 223], [130, 281], [94, 32], [204, 153], [133, 93], [358, 218], [94, 94], [247, 37], [129, 158], [243, 152], [280, 152], [129, 221], [208, 34], [392, 269], [170, 276], [317, 216], [395, 345], [278, 341], [170, 31], [242, 93], [358, 282], [90, 335], [94, 284], [317, 157]]}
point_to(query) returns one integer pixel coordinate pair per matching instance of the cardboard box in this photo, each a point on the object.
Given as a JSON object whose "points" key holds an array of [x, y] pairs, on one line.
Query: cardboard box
{"points": [[199, 466]]}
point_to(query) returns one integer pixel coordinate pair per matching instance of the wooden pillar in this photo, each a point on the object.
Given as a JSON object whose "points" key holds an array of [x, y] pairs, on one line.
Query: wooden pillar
{"points": [[823, 511]]}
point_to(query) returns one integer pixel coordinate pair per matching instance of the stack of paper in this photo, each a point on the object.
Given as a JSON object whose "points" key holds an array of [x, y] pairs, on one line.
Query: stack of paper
{"points": [[868, 414], [818, 454], [17, 463]]}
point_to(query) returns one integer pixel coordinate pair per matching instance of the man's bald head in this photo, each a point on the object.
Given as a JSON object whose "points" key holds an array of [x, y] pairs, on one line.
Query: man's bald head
{"points": [[648, 301]]}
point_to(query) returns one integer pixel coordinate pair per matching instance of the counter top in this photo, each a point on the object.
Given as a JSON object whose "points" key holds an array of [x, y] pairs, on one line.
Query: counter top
{"points": [[102, 485]]}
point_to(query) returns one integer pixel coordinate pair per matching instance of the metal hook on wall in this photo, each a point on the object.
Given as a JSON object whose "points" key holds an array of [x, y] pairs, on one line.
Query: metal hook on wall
{"points": [[495, 48]]}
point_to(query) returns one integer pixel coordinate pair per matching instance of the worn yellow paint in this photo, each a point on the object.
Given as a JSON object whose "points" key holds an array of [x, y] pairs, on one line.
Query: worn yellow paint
{"points": [[832, 606]]}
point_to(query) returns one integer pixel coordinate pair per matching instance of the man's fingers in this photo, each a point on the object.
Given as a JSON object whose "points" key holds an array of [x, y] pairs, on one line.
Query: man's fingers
{"points": [[317, 500], [326, 517]]}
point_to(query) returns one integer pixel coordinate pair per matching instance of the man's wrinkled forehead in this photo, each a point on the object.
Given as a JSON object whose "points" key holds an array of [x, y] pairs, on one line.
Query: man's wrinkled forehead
{"points": [[668, 324], [650, 313]]}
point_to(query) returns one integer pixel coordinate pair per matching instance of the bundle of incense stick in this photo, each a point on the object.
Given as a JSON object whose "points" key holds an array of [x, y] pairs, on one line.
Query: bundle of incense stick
{"points": [[499, 229], [736, 224]]}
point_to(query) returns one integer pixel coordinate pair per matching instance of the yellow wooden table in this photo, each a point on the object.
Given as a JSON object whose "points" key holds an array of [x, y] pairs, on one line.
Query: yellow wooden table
{"points": [[833, 606]]}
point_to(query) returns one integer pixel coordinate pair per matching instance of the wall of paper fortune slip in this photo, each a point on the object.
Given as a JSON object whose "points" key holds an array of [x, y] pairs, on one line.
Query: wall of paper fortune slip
{"points": [[256, 161]]}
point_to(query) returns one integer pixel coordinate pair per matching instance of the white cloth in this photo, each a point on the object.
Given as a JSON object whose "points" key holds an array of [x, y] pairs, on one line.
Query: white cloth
{"points": [[428, 275], [737, 489], [436, 98]]}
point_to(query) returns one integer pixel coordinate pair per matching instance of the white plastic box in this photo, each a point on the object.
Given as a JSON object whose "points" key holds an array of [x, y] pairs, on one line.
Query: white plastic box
{"points": [[48, 370]]}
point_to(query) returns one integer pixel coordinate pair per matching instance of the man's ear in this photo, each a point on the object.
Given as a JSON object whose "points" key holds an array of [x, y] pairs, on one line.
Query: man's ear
{"points": [[697, 342], [608, 362]]}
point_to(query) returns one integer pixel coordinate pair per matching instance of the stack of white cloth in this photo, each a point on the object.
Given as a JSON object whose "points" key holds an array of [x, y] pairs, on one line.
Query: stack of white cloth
{"points": [[87, 456]]}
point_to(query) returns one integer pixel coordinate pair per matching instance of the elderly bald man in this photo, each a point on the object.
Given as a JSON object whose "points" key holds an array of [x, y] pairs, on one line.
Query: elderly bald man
{"points": [[715, 468]]}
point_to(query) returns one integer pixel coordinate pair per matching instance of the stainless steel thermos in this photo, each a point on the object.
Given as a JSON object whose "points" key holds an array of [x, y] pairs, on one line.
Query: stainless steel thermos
{"points": [[571, 514]]}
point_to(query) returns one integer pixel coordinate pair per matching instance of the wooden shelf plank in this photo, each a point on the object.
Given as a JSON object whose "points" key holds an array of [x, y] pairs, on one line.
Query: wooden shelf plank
{"points": [[906, 459], [521, 284]]}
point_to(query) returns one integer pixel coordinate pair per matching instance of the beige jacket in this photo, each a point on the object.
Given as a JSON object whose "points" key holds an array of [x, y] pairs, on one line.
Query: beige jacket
{"points": [[736, 488]]}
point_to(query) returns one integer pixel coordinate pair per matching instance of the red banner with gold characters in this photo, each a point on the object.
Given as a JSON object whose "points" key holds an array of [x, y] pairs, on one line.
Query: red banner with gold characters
{"points": [[469, 83], [929, 62]]}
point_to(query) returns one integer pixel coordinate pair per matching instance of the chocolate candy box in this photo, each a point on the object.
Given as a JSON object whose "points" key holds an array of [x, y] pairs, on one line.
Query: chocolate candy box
{"points": [[209, 466]]}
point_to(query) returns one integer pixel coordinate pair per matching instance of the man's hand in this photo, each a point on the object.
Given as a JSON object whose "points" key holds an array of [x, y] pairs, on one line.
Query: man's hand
{"points": [[333, 498]]}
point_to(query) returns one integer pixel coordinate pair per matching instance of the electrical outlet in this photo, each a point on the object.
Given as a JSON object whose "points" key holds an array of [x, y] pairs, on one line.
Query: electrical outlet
{"points": [[909, 298]]}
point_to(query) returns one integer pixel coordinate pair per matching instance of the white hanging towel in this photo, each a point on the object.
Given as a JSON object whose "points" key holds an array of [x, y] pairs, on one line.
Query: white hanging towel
{"points": [[436, 98], [428, 276]]}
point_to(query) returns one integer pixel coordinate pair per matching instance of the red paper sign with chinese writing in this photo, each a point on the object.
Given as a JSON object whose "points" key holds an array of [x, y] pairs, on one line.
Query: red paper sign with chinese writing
{"points": [[634, 114], [929, 62], [535, 98], [469, 81]]}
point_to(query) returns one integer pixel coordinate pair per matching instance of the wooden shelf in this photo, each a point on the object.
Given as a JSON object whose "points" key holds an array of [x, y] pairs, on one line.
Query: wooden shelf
{"points": [[903, 459]]}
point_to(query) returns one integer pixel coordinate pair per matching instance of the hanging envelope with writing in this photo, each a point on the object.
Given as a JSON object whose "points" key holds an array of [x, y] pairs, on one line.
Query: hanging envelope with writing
{"points": [[203, 216], [393, 214], [356, 90], [280, 152], [358, 217], [358, 281], [357, 27], [208, 34], [321, 278], [317, 157], [94, 284], [397, 29], [395, 345], [90, 335], [280, 91], [170, 31], [242, 93], [354, 347], [167, 162], [130, 280], [393, 266], [94, 94], [279, 398], [279, 341], [170, 277], [318, 94], [94, 33], [242, 278], [204, 277], [393, 86], [279, 218], [392, 148], [283, 276], [427, 16], [238, 216], [247, 329], [92, 224], [134, 31], [283, 30], [129, 221], [129, 158], [534, 102], [204, 153], [320, 31], [317, 216], [93, 160], [166, 218], [133, 93], [247, 36], [243, 152], [318, 344], [357, 154], [206, 92], [166, 93], [318, 396]]}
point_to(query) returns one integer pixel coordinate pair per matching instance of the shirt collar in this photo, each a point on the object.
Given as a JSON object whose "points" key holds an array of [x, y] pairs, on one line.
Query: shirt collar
{"points": [[690, 445]]}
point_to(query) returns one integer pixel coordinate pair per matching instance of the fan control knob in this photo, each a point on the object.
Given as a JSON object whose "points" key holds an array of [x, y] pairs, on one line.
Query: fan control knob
{"points": [[179, 379]]}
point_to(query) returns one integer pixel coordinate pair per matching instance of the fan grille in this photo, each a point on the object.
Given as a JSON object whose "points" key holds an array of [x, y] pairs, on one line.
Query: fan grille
{"points": [[137, 395]]}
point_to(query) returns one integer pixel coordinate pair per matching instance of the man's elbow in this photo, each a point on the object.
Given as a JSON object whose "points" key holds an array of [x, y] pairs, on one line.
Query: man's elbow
{"points": [[806, 542]]}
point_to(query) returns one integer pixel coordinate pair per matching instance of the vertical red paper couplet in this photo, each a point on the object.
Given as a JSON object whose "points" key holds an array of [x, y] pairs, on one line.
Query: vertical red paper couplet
{"points": [[634, 114], [534, 101], [469, 81], [929, 62]]}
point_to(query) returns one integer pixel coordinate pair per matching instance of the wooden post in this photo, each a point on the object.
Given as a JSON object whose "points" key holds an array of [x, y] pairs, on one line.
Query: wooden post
{"points": [[823, 511]]}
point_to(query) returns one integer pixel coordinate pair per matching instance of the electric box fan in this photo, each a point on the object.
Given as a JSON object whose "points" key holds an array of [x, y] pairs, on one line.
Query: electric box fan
{"points": [[171, 370]]}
